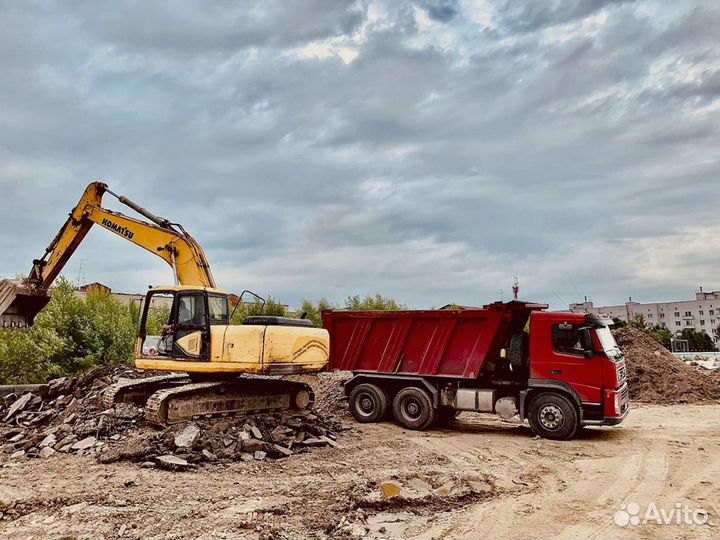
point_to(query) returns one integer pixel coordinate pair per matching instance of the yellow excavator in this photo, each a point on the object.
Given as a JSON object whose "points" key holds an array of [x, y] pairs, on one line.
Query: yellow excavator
{"points": [[217, 368]]}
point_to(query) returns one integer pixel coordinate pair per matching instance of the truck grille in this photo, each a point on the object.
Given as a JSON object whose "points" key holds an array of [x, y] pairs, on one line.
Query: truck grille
{"points": [[621, 373], [625, 393]]}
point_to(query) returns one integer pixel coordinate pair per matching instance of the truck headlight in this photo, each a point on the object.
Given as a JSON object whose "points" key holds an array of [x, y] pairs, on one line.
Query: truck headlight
{"points": [[618, 404]]}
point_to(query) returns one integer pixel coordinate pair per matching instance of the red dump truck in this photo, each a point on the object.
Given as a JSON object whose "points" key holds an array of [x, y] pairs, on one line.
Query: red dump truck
{"points": [[560, 371]]}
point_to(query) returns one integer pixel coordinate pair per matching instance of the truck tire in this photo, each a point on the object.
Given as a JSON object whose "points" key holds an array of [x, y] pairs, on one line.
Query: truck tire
{"points": [[413, 409], [518, 353], [553, 416], [368, 403]]}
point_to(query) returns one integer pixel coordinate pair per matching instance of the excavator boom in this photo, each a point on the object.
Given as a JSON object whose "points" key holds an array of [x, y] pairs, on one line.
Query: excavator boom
{"points": [[22, 301]]}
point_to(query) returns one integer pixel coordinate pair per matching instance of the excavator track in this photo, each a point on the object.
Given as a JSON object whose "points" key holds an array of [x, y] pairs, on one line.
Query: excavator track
{"points": [[139, 390], [226, 398]]}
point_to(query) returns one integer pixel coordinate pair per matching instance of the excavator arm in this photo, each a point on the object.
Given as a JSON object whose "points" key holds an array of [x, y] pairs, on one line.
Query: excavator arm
{"points": [[167, 240]]}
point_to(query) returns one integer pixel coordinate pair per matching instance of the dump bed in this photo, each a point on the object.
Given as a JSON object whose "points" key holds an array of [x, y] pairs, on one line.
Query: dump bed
{"points": [[443, 343]]}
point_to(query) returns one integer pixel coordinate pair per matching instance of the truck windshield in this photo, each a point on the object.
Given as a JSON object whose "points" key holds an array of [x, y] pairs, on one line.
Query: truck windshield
{"points": [[607, 340]]}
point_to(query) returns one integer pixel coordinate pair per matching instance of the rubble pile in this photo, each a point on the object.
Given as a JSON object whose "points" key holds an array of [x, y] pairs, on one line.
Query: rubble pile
{"points": [[67, 416], [654, 375]]}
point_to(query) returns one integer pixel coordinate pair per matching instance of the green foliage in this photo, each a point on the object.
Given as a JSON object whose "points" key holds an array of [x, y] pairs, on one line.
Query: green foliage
{"points": [[271, 307], [356, 303], [69, 335], [698, 341], [618, 323], [639, 322], [313, 311], [662, 335], [372, 303]]}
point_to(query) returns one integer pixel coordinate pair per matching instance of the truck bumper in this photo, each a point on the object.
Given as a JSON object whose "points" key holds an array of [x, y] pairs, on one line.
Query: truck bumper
{"points": [[615, 420], [616, 408]]}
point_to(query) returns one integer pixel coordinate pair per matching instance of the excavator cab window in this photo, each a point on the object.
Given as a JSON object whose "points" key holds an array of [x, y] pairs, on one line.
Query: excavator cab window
{"points": [[191, 330]]}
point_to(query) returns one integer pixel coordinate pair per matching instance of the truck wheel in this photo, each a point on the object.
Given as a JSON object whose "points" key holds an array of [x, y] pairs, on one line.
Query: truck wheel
{"points": [[413, 408], [553, 416], [368, 403]]}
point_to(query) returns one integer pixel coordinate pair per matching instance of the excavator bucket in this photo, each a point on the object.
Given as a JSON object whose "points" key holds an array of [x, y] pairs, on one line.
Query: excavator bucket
{"points": [[19, 303]]}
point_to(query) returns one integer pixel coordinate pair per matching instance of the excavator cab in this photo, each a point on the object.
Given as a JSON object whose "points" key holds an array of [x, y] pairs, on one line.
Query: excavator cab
{"points": [[176, 322]]}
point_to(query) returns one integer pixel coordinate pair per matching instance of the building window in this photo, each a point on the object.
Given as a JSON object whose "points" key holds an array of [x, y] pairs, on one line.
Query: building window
{"points": [[688, 323], [702, 312], [688, 313], [677, 313], [662, 315], [712, 312], [702, 322], [663, 325], [712, 321], [650, 316], [677, 323]]}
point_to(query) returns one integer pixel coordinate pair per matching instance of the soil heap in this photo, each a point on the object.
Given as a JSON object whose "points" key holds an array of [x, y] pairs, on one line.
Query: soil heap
{"points": [[654, 375]]}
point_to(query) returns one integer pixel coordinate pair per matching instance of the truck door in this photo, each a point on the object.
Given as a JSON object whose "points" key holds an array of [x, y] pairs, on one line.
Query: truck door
{"points": [[191, 336], [568, 363]]}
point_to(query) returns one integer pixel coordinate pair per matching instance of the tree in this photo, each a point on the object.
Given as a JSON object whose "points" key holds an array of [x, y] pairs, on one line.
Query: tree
{"points": [[69, 335], [662, 335], [618, 323], [639, 322], [271, 307], [372, 303], [698, 341]]}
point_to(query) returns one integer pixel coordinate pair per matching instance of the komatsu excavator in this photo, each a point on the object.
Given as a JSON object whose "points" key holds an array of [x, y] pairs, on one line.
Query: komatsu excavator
{"points": [[217, 368]]}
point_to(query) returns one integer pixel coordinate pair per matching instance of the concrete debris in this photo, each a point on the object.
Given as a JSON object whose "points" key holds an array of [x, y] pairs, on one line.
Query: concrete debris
{"points": [[86, 443], [46, 452], [67, 416], [18, 406], [172, 463], [188, 436]]}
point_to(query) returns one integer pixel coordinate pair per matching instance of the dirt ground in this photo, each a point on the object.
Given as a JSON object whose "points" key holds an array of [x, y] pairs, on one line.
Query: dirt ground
{"points": [[481, 478]]}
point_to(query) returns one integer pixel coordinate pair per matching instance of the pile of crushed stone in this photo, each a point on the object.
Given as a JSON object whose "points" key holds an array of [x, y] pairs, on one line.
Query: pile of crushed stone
{"points": [[654, 375], [67, 416]]}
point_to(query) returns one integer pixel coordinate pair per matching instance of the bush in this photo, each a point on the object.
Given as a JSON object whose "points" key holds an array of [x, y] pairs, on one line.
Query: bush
{"points": [[70, 335]]}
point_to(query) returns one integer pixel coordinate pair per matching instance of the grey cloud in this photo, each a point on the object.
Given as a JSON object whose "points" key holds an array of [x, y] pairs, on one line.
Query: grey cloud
{"points": [[427, 170]]}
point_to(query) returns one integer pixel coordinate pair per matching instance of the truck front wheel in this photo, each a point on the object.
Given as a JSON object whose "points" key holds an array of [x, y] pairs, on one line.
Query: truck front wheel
{"points": [[368, 403], [553, 416], [413, 408]]}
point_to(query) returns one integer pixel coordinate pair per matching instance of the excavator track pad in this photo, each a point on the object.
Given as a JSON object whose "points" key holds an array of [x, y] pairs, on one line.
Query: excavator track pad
{"points": [[138, 391], [226, 398]]}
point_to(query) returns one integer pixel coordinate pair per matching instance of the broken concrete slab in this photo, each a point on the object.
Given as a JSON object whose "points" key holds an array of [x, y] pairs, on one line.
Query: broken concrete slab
{"points": [[87, 442], [172, 463], [18, 406], [188, 436], [47, 452]]}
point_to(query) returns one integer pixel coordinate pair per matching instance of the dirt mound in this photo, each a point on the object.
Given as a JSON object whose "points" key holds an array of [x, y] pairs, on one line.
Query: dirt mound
{"points": [[654, 375], [67, 416]]}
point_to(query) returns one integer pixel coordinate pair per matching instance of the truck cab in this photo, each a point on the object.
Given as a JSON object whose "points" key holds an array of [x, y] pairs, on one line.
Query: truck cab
{"points": [[576, 354]]}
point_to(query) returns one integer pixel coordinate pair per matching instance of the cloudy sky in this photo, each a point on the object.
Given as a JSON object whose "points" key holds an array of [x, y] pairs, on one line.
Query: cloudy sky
{"points": [[428, 150]]}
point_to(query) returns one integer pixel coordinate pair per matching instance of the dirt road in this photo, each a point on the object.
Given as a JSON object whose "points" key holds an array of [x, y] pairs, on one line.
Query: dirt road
{"points": [[481, 478]]}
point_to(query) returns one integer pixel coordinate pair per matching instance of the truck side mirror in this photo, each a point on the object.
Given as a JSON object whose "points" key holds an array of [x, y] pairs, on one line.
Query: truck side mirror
{"points": [[586, 342]]}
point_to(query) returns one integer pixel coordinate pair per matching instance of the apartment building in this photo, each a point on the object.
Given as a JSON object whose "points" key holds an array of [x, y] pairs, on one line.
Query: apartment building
{"points": [[701, 314]]}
